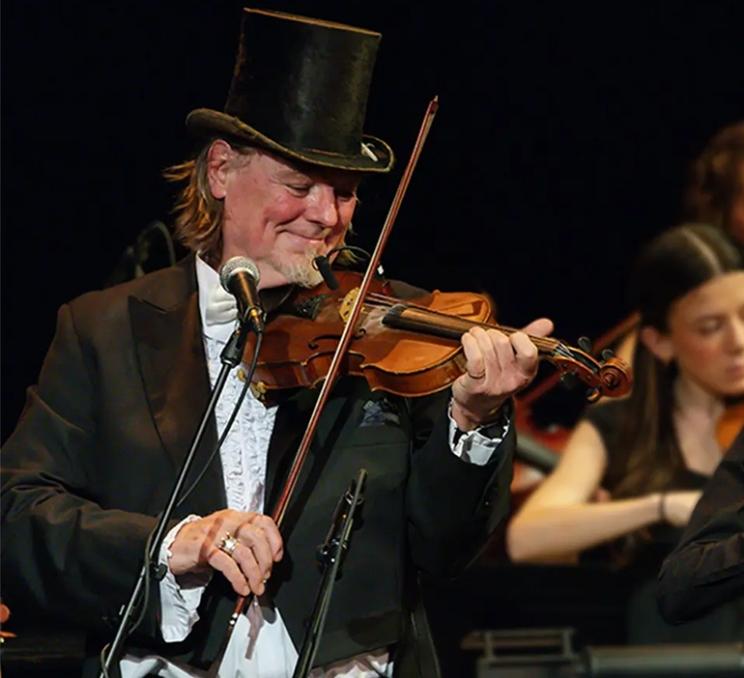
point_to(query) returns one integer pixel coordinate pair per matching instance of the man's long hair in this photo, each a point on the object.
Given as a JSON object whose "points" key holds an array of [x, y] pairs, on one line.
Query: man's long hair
{"points": [[198, 214]]}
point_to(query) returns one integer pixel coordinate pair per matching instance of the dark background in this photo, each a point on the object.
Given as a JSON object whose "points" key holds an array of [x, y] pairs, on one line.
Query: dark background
{"points": [[562, 143]]}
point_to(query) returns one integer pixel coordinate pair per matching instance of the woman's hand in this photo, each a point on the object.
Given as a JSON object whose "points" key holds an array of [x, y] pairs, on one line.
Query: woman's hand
{"points": [[676, 507]]}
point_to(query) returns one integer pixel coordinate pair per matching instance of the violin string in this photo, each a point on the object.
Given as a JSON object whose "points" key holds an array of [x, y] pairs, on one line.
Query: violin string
{"points": [[382, 301]]}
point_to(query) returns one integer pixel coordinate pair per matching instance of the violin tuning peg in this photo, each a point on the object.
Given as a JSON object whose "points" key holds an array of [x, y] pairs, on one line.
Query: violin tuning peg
{"points": [[592, 395], [607, 353], [585, 344]]}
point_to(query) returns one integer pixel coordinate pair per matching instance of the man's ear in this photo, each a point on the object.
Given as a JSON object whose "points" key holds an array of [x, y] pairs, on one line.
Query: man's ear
{"points": [[218, 165], [658, 343]]}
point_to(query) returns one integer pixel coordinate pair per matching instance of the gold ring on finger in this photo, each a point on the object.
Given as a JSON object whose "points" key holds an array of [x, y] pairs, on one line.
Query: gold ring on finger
{"points": [[228, 544]]}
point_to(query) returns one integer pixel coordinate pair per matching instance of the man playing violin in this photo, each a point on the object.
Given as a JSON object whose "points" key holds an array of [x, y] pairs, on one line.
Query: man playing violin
{"points": [[130, 368]]}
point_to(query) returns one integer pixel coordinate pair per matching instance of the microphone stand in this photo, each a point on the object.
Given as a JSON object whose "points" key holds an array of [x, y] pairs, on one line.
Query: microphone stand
{"points": [[230, 357], [330, 554]]}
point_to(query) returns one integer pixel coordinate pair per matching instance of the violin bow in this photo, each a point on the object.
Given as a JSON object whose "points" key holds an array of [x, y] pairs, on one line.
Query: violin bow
{"points": [[341, 349]]}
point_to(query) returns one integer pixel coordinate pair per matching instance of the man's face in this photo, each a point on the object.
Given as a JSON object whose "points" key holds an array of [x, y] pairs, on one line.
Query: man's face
{"points": [[282, 216]]}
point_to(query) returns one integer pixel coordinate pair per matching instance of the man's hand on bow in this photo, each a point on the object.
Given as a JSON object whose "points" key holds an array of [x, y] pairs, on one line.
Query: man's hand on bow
{"points": [[242, 546], [497, 367]]}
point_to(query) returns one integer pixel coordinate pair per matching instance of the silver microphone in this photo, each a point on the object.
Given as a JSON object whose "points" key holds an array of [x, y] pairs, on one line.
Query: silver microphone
{"points": [[239, 276]]}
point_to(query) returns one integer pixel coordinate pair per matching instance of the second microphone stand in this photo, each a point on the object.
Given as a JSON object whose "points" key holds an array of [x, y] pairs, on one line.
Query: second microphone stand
{"points": [[331, 555]]}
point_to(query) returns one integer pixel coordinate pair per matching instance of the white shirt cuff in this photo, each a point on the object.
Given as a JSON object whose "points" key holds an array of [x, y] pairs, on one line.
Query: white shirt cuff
{"points": [[473, 446], [178, 601]]}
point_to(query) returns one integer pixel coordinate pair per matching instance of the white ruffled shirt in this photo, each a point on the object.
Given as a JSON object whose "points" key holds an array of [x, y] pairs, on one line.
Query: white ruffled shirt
{"points": [[260, 646]]}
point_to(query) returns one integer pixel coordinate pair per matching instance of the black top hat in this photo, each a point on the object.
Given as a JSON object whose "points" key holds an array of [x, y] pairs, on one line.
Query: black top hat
{"points": [[300, 89]]}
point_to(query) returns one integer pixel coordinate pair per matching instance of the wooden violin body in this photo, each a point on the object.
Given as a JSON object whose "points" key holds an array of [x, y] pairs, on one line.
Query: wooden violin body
{"points": [[300, 342]]}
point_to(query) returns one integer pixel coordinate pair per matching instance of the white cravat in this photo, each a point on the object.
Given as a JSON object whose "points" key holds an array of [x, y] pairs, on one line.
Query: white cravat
{"points": [[221, 308]]}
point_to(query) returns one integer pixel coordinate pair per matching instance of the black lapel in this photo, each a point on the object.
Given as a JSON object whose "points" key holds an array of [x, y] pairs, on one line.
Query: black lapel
{"points": [[170, 349]]}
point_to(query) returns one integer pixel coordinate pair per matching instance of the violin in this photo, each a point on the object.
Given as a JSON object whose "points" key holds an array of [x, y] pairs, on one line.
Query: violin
{"points": [[408, 347]]}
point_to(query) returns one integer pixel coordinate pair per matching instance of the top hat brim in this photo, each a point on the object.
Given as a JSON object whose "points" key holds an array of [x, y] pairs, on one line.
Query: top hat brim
{"points": [[375, 156]]}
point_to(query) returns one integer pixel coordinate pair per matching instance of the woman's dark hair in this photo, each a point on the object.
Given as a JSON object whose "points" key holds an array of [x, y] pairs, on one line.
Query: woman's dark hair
{"points": [[672, 265]]}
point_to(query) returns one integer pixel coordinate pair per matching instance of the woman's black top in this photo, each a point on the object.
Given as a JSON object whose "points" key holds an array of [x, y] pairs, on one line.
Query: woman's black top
{"points": [[643, 554]]}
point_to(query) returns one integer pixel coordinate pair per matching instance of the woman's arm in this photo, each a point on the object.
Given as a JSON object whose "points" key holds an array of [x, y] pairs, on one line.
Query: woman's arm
{"points": [[560, 519]]}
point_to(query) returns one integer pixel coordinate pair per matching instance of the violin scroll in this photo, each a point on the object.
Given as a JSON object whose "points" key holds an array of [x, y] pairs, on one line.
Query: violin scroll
{"points": [[610, 377]]}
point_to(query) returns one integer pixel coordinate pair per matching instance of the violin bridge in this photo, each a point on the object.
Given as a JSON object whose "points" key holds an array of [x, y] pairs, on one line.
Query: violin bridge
{"points": [[344, 310]]}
